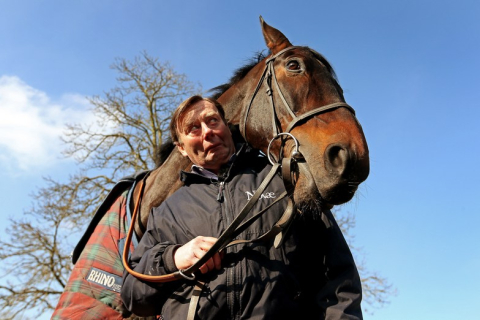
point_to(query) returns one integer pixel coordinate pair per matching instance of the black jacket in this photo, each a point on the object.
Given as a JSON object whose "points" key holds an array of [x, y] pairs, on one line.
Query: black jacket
{"points": [[312, 275]]}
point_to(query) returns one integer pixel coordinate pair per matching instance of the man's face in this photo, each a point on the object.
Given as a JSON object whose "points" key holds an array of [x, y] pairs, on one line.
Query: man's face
{"points": [[204, 137]]}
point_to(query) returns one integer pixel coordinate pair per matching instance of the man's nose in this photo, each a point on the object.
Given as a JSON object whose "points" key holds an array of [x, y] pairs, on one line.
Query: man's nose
{"points": [[206, 130]]}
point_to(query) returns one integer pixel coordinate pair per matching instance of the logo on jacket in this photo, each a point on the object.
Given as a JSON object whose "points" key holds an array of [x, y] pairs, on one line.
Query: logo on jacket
{"points": [[266, 195], [105, 279]]}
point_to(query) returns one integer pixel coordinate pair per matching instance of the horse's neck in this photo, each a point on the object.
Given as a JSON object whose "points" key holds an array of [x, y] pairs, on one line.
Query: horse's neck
{"points": [[233, 106], [258, 130], [238, 98], [160, 184]]}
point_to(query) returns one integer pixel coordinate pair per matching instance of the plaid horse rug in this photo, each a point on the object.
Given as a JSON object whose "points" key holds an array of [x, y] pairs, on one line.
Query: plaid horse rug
{"points": [[93, 289]]}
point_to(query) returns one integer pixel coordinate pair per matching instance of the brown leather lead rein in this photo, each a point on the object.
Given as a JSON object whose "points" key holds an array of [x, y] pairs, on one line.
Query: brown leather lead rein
{"points": [[128, 241], [223, 241]]}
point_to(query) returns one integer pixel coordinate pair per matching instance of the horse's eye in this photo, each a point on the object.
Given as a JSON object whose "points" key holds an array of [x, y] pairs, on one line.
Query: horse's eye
{"points": [[293, 65]]}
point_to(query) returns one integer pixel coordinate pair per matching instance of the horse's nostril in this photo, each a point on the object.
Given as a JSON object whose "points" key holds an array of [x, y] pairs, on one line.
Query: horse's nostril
{"points": [[336, 158]]}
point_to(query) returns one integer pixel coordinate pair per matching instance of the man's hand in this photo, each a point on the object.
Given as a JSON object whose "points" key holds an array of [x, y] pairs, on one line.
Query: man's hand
{"points": [[192, 251]]}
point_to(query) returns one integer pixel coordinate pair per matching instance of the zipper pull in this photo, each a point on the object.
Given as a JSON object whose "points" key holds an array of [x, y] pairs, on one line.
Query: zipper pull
{"points": [[220, 192]]}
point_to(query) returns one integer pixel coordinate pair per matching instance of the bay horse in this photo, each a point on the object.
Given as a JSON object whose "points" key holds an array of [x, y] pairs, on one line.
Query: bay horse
{"points": [[292, 93], [331, 142]]}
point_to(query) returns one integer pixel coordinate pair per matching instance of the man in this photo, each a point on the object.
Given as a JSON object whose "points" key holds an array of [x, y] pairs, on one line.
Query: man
{"points": [[311, 275]]}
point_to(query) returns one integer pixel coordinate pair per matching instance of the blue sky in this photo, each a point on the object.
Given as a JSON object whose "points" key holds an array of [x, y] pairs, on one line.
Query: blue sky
{"points": [[411, 69]]}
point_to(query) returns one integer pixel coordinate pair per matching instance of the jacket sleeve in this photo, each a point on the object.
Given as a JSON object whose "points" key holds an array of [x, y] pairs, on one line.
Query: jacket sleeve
{"points": [[151, 257], [341, 296]]}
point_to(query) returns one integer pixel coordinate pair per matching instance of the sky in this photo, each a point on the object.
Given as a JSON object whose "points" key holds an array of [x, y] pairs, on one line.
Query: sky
{"points": [[410, 69]]}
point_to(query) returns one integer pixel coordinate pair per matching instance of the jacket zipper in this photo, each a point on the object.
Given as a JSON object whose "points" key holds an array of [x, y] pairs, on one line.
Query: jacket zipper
{"points": [[220, 191], [223, 198]]}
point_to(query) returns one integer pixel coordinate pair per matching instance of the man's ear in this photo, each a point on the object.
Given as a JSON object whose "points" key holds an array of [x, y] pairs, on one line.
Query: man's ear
{"points": [[181, 149]]}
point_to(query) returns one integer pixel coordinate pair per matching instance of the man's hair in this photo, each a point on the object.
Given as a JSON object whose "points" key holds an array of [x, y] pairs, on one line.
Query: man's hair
{"points": [[184, 106]]}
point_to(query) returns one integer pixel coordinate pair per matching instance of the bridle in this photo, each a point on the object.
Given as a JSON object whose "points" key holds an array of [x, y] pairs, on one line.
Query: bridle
{"points": [[269, 76], [286, 164]]}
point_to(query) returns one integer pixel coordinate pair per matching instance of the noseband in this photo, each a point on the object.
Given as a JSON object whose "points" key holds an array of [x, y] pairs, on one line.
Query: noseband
{"points": [[269, 75]]}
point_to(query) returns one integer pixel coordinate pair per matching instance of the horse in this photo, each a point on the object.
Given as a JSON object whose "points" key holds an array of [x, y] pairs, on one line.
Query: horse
{"points": [[332, 143], [287, 104]]}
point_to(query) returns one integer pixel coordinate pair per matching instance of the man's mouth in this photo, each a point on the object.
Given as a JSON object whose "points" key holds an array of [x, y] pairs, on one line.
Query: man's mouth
{"points": [[212, 148]]}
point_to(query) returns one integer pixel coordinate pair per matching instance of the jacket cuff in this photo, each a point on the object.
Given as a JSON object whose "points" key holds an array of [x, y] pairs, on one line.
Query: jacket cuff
{"points": [[169, 262]]}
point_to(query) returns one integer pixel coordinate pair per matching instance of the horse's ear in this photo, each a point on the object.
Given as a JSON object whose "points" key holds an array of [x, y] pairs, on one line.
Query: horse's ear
{"points": [[274, 39]]}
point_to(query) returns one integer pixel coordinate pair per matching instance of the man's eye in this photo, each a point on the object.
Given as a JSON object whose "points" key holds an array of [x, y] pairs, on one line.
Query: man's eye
{"points": [[193, 129]]}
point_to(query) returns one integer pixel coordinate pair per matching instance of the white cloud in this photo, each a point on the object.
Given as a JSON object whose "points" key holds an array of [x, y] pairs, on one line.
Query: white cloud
{"points": [[31, 125]]}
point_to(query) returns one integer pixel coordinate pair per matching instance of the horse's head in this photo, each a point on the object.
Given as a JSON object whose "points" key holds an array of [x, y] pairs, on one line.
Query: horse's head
{"points": [[294, 90]]}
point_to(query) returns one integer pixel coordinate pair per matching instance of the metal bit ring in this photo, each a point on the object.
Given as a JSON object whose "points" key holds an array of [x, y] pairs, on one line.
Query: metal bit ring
{"points": [[295, 153]]}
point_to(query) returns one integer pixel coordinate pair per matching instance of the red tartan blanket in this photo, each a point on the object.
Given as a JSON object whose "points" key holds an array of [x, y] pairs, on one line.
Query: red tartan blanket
{"points": [[93, 289]]}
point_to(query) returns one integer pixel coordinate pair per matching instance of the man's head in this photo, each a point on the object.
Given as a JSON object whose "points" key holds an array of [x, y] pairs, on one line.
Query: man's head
{"points": [[200, 132]]}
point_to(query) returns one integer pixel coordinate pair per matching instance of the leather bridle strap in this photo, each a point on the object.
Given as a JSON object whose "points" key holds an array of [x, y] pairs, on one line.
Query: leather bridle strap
{"points": [[197, 291], [278, 230], [269, 75], [283, 223], [230, 233], [313, 112], [267, 71]]}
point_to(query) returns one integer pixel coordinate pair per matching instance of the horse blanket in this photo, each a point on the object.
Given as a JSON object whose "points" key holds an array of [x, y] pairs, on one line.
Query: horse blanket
{"points": [[93, 289]]}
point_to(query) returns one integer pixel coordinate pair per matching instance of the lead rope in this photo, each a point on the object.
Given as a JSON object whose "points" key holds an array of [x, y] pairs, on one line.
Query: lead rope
{"points": [[230, 233], [223, 242], [128, 240]]}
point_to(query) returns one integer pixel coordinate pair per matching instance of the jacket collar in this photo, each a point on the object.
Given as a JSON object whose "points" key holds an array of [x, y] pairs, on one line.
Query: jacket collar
{"points": [[201, 175]]}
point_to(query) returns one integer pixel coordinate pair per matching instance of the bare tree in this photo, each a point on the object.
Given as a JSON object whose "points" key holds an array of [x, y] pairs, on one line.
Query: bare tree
{"points": [[377, 290], [131, 123]]}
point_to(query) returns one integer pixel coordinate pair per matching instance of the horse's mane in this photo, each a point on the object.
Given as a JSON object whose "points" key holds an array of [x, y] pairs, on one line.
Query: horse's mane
{"points": [[238, 75], [241, 72], [325, 62], [164, 151], [167, 147]]}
